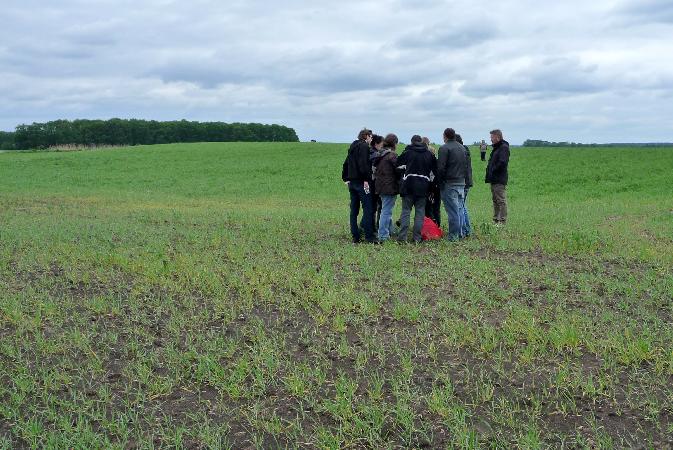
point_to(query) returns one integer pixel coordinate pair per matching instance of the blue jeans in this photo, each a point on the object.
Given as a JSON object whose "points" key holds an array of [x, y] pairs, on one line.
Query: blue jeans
{"points": [[467, 227], [452, 197], [386, 219], [358, 196]]}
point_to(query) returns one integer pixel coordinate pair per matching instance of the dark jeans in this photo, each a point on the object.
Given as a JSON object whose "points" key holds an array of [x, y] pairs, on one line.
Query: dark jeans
{"points": [[358, 196], [418, 204], [432, 208], [483, 156]]}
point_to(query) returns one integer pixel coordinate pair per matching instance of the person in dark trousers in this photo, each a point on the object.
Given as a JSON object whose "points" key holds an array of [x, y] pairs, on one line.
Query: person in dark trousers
{"points": [[375, 147], [357, 174], [433, 202], [469, 182], [387, 185], [482, 150], [497, 176], [451, 172], [419, 166]]}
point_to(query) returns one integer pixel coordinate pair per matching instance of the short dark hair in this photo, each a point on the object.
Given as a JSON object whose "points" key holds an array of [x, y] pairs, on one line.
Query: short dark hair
{"points": [[362, 135], [497, 132], [459, 139], [376, 139], [416, 138], [450, 133], [390, 141]]}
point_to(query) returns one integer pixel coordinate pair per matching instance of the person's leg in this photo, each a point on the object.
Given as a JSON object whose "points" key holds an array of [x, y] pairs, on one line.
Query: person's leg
{"points": [[436, 208], [355, 210], [386, 219], [451, 201], [407, 203], [500, 198], [495, 203], [419, 216], [367, 216], [467, 226]]}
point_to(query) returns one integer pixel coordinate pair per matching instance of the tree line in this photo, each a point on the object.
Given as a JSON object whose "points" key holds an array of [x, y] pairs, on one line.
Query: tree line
{"points": [[541, 143], [138, 132]]}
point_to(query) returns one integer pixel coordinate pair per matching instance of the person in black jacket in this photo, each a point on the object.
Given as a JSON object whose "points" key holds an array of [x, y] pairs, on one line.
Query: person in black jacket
{"points": [[357, 174], [467, 226], [434, 200], [419, 165], [497, 176]]}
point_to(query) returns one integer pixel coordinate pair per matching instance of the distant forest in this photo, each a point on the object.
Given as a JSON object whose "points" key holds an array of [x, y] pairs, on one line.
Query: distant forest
{"points": [[541, 143], [138, 132]]}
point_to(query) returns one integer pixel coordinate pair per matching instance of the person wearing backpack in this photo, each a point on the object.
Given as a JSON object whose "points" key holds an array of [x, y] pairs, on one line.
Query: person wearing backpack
{"points": [[419, 165], [356, 173], [387, 184]]}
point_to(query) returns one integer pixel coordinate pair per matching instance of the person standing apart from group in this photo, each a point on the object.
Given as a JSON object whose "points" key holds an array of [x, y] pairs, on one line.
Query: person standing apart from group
{"points": [[387, 184], [357, 174], [419, 166], [497, 176], [451, 167], [482, 150]]}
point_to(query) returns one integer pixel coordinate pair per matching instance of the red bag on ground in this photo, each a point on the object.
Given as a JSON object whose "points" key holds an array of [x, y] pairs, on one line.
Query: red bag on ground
{"points": [[430, 230]]}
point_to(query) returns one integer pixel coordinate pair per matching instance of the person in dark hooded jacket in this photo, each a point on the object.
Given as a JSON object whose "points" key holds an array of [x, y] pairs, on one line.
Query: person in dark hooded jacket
{"points": [[357, 174], [387, 184], [419, 165]]}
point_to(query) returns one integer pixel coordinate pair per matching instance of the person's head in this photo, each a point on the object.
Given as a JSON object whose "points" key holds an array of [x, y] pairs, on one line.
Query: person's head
{"points": [[483, 141], [496, 136], [425, 140], [390, 141], [365, 135], [377, 141], [449, 134], [416, 139], [459, 138]]}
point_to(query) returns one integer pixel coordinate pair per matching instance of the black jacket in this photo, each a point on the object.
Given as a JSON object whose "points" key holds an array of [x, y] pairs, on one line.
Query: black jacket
{"points": [[387, 177], [451, 164], [420, 165], [469, 182], [496, 170], [357, 166]]}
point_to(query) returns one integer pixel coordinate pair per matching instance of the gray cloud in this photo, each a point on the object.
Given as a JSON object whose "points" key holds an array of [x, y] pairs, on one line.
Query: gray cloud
{"points": [[647, 11], [327, 69]]}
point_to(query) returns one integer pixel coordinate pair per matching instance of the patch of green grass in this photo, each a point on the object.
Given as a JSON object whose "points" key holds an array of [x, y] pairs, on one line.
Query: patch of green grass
{"points": [[207, 295]]}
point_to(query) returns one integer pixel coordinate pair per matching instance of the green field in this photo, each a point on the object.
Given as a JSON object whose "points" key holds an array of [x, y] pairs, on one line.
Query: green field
{"points": [[208, 296]]}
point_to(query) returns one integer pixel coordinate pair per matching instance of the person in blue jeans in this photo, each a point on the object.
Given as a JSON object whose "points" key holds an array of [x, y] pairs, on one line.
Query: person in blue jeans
{"points": [[451, 179], [387, 184], [466, 229], [356, 173]]}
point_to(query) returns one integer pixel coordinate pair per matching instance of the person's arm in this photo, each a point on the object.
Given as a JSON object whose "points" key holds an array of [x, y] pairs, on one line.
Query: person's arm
{"points": [[344, 171], [440, 164]]}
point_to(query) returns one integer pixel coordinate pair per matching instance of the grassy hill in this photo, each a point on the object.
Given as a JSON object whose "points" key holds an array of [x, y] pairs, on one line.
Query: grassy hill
{"points": [[207, 295]]}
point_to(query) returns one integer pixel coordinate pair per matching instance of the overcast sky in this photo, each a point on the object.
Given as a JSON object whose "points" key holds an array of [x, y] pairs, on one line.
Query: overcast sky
{"points": [[583, 71]]}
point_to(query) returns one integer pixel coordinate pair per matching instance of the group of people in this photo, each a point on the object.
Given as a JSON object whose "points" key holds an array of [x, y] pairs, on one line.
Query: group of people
{"points": [[375, 175]]}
